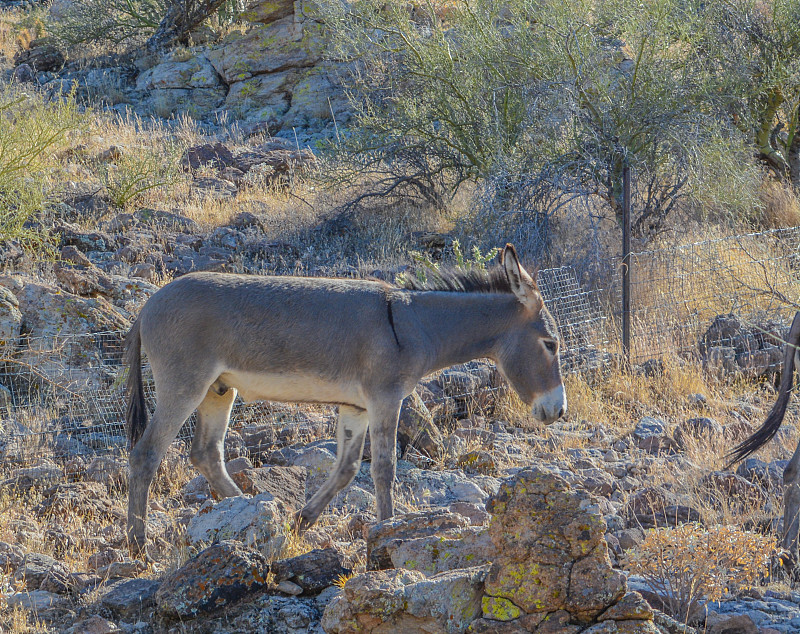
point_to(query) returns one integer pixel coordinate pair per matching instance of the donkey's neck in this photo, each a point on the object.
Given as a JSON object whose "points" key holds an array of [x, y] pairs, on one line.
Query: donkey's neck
{"points": [[462, 326]]}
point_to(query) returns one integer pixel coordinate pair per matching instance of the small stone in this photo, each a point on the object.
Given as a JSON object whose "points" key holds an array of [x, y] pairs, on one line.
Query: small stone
{"points": [[738, 624], [287, 587], [131, 597]]}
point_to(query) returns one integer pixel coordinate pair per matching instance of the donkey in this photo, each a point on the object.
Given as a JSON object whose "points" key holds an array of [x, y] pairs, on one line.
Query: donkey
{"points": [[765, 433], [362, 345]]}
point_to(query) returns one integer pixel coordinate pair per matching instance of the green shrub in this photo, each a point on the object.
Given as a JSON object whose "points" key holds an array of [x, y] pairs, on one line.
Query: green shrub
{"points": [[31, 131]]}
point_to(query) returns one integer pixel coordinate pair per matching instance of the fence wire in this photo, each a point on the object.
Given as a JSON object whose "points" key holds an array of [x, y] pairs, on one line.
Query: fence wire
{"points": [[715, 293]]}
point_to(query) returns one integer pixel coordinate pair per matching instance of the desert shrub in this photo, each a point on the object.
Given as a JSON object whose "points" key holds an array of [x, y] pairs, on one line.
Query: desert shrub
{"points": [[426, 267], [136, 172], [118, 21], [31, 130], [113, 21], [538, 101], [690, 562]]}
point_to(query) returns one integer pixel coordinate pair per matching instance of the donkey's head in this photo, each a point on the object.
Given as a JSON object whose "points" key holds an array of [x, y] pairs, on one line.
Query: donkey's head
{"points": [[528, 355]]}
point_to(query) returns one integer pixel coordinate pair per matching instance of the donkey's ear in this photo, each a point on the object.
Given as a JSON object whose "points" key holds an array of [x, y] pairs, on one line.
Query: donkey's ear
{"points": [[519, 280]]}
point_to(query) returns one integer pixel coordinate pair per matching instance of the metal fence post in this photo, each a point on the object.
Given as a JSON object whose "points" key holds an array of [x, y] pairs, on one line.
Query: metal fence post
{"points": [[626, 263]]}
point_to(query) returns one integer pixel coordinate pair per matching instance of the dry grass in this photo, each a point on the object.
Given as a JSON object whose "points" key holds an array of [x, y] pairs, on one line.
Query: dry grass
{"points": [[780, 206], [17, 30]]}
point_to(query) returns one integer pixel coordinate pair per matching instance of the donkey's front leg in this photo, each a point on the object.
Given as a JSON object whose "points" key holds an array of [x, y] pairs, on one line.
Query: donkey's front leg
{"points": [[351, 428], [383, 443]]}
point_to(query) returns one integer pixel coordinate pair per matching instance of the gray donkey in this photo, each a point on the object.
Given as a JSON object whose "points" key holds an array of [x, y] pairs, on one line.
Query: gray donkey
{"points": [[362, 345]]}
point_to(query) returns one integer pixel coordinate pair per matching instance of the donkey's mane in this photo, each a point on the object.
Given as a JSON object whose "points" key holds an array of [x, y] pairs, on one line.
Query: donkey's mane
{"points": [[456, 280]]}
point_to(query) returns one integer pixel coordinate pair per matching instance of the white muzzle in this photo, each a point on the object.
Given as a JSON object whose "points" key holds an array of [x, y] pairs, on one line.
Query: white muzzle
{"points": [[550, 406]]}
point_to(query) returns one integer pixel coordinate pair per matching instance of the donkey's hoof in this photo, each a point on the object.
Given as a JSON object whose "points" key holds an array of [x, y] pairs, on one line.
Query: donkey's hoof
{"points": [[302, 523]]}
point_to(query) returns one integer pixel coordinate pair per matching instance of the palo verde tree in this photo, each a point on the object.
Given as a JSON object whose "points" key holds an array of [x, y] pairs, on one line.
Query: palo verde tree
{"points": [[538, 99], [752, 52]]}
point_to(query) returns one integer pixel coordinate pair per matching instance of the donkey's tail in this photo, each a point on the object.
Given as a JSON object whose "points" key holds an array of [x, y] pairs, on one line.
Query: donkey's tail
{"points": [[767, 431], [136, 412]]}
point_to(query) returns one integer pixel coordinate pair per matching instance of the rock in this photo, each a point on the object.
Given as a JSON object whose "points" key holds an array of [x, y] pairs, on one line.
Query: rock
{"points": [[475, 513], [738, 624], [631, 606], [42, 572], [728, 489], [36, 600], [219, 575], [82, 280], [88, 499], [242, 58], [10, 321], [290, 588], [83, 240], [73, 364], [94, 625], [256, 520], [287, 484], [767, 475], [104, 558], [266, 11], [648, 427], [550, 549], [25, 478], [312, 571], [385, 535], [702, 428], [416, 428], [110, 471], [42, 55], [212, 154], [23, 74], [130, 598], [449, 550], [406, 601], [11, 557], [127, 568], [191, 86]]}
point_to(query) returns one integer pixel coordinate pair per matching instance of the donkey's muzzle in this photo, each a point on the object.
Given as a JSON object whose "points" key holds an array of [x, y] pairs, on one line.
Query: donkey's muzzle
{"points": [[551, 406]]}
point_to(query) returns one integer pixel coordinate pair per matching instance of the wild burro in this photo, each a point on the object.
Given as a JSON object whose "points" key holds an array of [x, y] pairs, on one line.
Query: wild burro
{"points": [[363, 345]]}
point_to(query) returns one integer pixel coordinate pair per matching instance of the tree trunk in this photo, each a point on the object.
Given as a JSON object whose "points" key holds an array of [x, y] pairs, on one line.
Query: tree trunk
{"points": [[183, 16]]}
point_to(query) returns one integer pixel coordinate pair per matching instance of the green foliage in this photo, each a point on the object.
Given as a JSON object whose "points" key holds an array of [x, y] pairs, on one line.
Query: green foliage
{"points": [[118, 21], [426, 266], [31, 130], [113, 21], [538, 101], [137, 172]]}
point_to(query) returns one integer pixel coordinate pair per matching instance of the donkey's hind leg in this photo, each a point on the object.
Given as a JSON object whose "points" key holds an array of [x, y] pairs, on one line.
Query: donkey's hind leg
{"points": [[791, 509], [351, 428], [173, 407], [208, 446]]}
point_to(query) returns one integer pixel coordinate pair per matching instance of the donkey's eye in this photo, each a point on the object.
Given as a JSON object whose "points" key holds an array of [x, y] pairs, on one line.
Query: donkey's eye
{"points": [[551, 346]]}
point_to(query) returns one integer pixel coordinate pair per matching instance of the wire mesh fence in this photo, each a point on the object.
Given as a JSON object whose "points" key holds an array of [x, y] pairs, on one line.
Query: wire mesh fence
{"points": [[733, 297], [737, 292]]}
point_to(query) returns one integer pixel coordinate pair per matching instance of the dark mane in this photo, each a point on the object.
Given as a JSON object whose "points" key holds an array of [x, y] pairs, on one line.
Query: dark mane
{"points": [[455, 280]]}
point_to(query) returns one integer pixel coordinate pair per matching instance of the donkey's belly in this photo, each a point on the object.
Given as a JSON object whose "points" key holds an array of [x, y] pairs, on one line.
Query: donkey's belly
{"points": [[254, 386]]}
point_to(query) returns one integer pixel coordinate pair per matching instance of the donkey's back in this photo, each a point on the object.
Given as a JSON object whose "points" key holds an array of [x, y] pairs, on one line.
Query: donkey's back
{"points": [[212, 322]]}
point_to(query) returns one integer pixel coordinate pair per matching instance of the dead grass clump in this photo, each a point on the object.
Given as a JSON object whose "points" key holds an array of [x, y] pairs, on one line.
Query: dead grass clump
{"points": [[620, 396], [780, 206]]}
